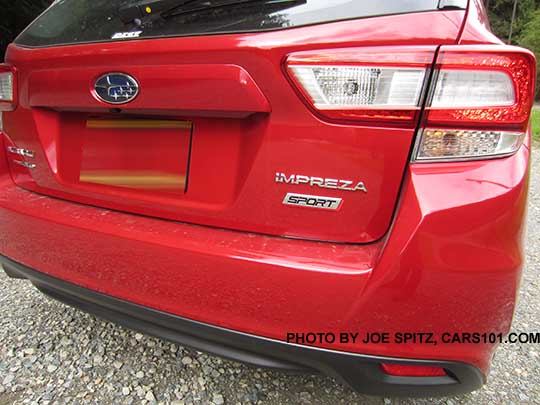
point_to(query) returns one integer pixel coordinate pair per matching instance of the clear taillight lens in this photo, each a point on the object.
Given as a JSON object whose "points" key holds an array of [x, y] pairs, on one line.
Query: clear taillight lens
{"points": [[452, 144], [351, 87], [363, 84], [7, 88], [465, 88]]}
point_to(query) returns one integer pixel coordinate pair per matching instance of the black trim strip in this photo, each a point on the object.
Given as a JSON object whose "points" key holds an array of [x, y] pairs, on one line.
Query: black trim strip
{"points": [[361, 372]]}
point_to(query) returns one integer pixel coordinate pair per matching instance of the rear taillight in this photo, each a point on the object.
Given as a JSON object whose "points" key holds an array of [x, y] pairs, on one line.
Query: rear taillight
{"points": [[7, 88], [459, 144], [363, 84], [483, 86], [478, 105]]}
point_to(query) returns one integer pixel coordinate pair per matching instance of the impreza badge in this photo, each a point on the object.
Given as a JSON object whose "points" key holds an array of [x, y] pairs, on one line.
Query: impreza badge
{"points": [[335, 184]]}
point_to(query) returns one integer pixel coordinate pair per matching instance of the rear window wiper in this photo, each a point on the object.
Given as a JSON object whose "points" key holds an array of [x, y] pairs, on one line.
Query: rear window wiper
{"points": [[172, 8]]}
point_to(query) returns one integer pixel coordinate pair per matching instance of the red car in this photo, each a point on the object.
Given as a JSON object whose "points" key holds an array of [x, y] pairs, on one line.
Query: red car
{"points": [[302, 184]]}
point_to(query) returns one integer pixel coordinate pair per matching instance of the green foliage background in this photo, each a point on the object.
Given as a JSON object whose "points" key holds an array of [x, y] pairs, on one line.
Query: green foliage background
{"points": [[17, 14], [526, 28]]}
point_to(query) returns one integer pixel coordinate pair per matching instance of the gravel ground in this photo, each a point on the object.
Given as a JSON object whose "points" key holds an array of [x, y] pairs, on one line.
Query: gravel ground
{"points": [[50, 353]]}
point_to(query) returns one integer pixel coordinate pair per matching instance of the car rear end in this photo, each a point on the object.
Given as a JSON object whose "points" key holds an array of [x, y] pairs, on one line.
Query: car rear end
{"points": [[230, 175]]}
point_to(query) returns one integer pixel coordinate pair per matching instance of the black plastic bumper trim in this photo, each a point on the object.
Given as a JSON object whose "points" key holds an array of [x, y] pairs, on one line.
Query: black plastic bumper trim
{"points": [[361, 372]]}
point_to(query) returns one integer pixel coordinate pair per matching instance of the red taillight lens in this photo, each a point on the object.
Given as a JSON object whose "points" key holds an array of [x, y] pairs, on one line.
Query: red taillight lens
{"points": [[363, 84], [401, 370], [7, 88], [490, 86]]}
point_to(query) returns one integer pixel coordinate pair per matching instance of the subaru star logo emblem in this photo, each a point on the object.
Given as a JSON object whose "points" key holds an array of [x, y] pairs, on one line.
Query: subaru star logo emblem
{"points": [[116, 88]]}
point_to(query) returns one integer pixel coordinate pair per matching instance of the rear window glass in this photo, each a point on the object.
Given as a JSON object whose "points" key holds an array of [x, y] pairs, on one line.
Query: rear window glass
{"points": [[83, 21]]}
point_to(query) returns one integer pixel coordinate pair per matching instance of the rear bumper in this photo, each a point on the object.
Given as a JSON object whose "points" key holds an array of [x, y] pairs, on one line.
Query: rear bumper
{"points": [[361, 372], [450, 263]]}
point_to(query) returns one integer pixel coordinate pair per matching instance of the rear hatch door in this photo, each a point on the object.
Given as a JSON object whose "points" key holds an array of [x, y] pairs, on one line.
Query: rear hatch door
{"points": [[198, 117]]}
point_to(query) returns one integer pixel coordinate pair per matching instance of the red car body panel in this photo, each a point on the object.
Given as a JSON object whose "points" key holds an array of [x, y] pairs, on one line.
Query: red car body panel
{"points": [[476, 29], [432, 247]]}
